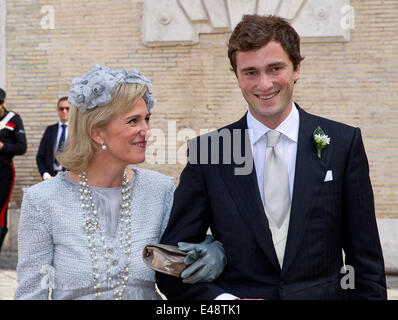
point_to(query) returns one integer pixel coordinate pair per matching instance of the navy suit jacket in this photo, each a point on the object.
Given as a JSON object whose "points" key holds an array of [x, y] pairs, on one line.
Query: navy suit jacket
{"points": [[45, 154], [326, 218]]}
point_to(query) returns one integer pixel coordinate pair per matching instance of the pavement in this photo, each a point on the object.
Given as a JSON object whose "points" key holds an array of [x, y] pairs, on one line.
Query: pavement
{"points": [[8, 276], [8, 279]]}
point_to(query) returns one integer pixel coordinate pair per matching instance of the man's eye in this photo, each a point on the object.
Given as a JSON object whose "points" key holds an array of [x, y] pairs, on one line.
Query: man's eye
{"points": [[251, 73]]}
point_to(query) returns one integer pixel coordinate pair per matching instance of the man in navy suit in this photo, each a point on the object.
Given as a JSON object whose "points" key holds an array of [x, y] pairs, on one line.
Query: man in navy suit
{"points": [[301, 197], [53, 140]]}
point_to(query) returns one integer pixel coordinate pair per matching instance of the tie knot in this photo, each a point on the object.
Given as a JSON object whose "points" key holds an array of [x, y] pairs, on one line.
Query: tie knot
{"points": [[272, 138], [63, 126]]}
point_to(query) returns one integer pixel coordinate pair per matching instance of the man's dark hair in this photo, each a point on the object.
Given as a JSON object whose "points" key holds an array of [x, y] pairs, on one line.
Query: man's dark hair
{"points": [[2, 96], [61, 99], [255, 31]]}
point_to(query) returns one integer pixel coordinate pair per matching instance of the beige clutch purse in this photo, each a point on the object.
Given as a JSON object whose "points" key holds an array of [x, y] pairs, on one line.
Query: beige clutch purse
{"points": [[164, 258]]}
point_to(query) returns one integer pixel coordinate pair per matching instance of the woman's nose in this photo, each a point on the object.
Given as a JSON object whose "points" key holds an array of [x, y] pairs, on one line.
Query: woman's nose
{"points": [[147, 134], [145, 131]]}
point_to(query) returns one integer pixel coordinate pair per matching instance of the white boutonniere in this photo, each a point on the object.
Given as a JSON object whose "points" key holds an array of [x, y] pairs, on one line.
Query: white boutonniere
{"points": [[321, 140]]}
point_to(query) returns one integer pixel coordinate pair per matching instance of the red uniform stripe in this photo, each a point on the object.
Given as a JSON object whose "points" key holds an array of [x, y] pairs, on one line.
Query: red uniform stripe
{"points": [[3, 210], [10, 124]]}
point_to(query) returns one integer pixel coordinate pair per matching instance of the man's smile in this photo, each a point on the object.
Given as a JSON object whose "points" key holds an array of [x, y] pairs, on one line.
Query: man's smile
{"points": [[267, 97]]}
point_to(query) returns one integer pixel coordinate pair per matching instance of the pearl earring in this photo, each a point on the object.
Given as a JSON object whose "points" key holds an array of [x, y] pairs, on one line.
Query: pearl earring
{"points": [[103, 147]]}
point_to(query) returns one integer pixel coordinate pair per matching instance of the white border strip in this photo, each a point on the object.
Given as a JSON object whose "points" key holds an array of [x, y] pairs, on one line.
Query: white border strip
{"points": [[3, 66]]}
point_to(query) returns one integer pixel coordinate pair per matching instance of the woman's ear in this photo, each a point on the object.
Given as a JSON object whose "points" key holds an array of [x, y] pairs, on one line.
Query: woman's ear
{"points": [[96, 135]]}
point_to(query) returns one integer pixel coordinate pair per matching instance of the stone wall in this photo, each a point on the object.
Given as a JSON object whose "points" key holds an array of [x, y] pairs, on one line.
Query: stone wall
{"points": [[3, 14], [354, 82]]}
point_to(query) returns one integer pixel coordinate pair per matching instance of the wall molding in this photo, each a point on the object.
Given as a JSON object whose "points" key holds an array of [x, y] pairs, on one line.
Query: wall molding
{"points": [[179, 22]]}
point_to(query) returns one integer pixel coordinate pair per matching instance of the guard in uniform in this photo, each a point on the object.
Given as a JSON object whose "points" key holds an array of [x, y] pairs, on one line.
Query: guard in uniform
{"points": [[12, 142]]}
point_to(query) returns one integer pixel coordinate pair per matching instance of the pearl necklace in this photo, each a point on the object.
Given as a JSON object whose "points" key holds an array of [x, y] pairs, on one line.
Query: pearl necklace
{"points": [[93, 229]]}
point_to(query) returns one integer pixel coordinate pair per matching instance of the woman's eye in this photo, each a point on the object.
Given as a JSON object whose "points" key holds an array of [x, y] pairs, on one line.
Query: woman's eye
{"points": [[133, 121]]}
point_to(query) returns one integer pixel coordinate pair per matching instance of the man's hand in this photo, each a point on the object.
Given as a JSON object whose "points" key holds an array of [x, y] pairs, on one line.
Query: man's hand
{"points": [[1, 145], [206, 260]]}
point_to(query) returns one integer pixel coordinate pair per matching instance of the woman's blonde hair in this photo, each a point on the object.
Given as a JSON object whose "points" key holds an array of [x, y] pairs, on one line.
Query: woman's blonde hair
{"points": [[80, 147]]}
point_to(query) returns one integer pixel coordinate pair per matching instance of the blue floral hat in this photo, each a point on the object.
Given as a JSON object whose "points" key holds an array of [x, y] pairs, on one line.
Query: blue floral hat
{"points": [[96, 87]]}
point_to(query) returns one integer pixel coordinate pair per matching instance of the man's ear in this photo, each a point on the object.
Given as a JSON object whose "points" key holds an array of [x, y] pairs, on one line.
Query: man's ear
{"points": [[296, 73]]}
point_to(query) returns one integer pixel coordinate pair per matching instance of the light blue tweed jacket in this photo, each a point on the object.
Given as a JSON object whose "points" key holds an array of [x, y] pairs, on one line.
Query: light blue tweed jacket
{"points": [[52, 237]]}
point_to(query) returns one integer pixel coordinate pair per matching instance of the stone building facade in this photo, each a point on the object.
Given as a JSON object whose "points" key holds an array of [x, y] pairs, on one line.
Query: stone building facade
{"points": [[45, 43]]}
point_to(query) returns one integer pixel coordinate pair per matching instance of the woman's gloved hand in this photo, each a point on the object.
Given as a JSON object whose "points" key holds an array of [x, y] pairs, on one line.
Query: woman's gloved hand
{"points": [[205, 260]]}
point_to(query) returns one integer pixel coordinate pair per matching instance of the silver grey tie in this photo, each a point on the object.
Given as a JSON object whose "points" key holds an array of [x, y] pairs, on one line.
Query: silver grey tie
{"points": [[276, 182]]}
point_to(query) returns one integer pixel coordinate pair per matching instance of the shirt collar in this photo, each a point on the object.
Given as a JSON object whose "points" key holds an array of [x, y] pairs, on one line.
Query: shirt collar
{"points": [[289, 127], [60, 123]]}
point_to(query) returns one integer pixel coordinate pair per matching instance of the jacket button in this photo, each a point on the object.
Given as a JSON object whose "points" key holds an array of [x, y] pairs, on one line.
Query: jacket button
{"points": [[281, 284]]}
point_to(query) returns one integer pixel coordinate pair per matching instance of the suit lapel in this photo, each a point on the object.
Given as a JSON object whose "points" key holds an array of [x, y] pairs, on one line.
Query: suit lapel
{"points": [[53, 135], [244, 191], [309, 173]]}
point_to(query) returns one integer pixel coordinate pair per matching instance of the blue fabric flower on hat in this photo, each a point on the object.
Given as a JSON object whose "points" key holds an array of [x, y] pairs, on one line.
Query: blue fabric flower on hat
{"points": [[96, 87], [134, 76]]}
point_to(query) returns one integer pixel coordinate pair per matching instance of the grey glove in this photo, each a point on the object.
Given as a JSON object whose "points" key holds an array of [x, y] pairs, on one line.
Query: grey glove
{"points": [[206, 260]]}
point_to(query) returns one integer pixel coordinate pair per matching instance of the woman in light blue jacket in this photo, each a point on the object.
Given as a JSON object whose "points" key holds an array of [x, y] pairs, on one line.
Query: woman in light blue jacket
{"points": [[81, 233]]}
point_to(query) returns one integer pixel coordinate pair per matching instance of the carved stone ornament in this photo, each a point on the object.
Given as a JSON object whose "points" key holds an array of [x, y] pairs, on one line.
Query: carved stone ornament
{"points": [[179, 22]]}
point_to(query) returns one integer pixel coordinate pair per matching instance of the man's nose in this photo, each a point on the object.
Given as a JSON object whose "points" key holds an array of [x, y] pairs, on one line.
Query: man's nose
{"points": [[264, 82]]}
